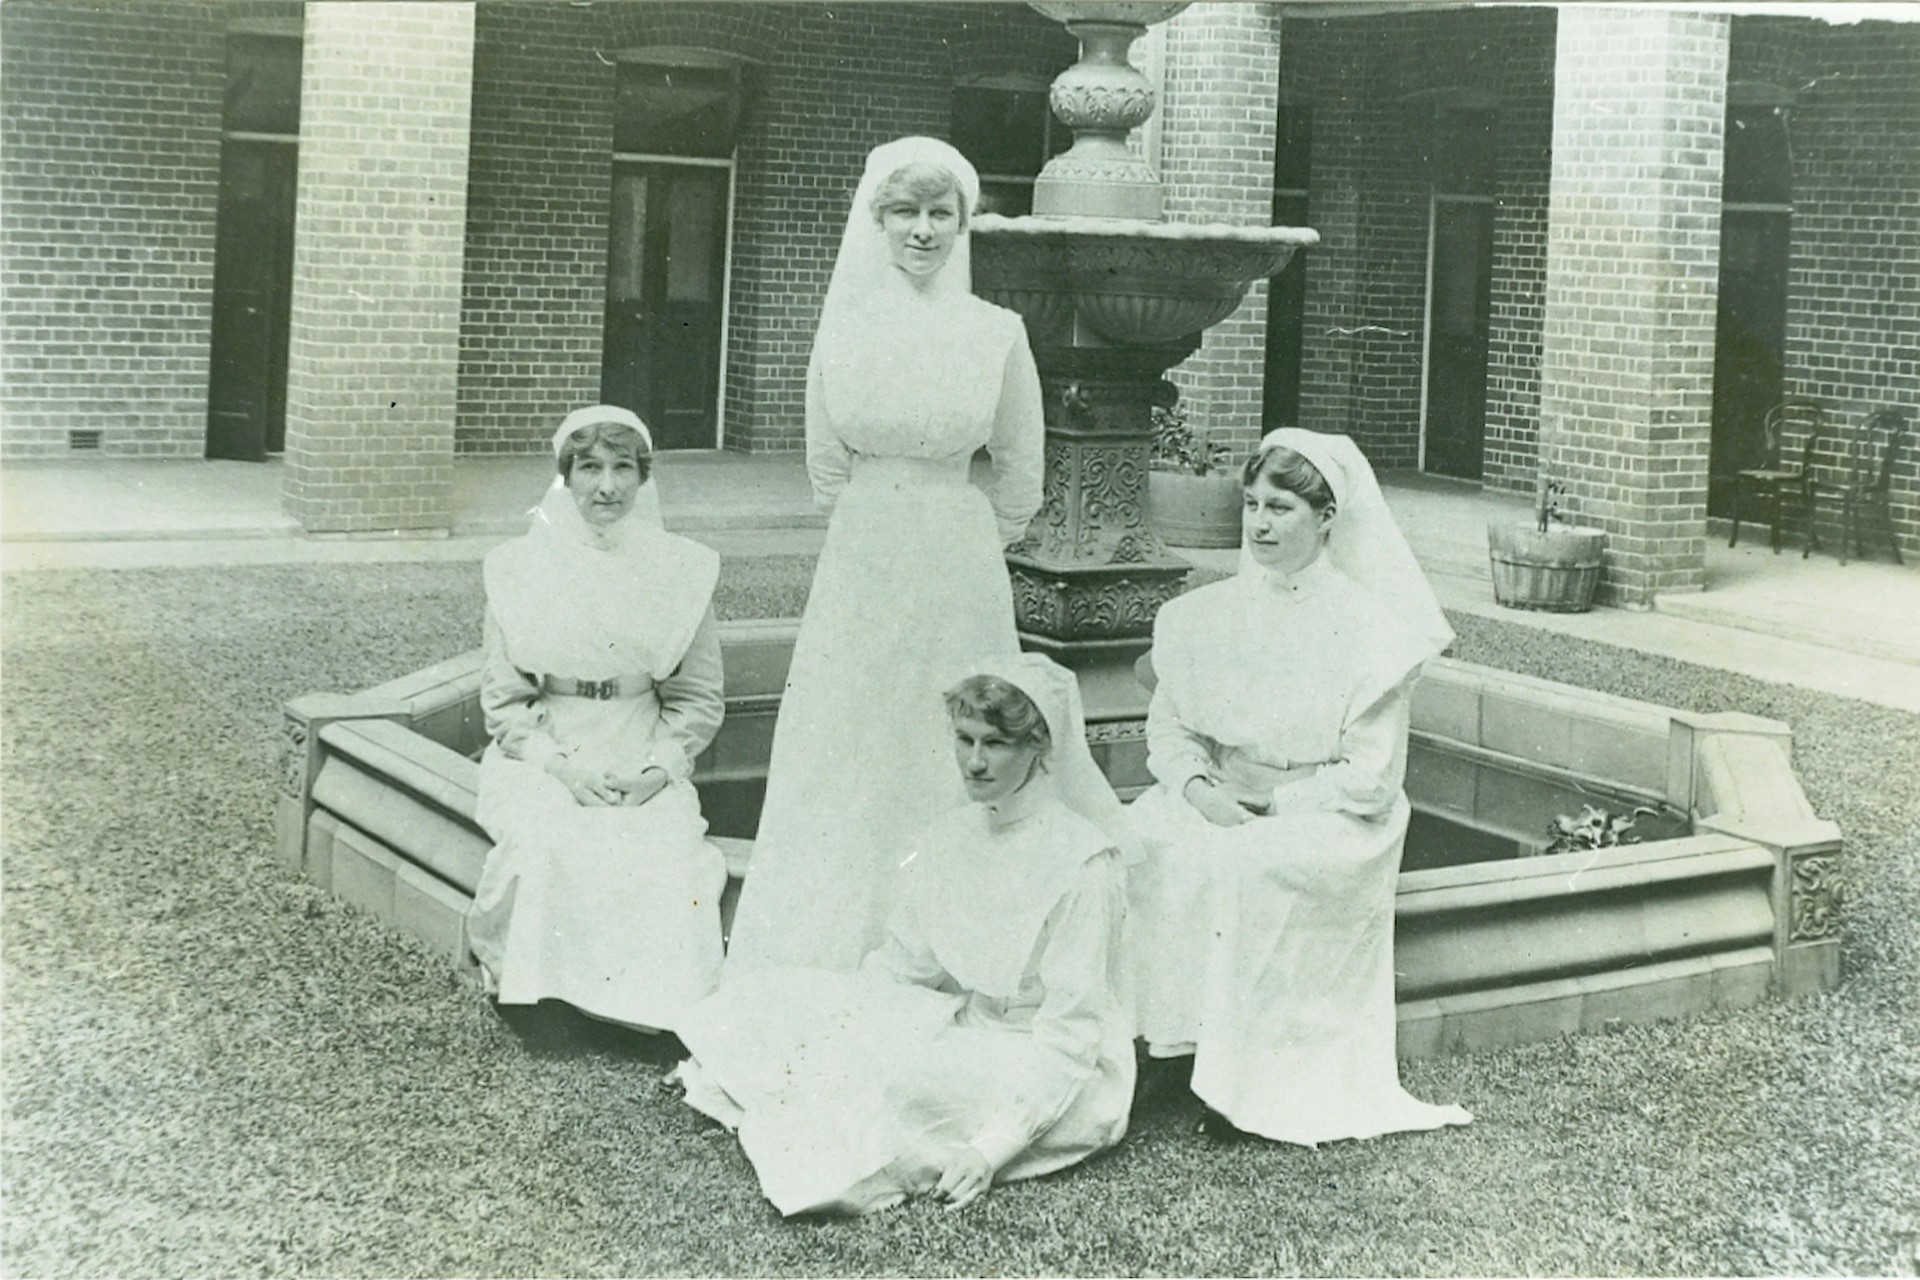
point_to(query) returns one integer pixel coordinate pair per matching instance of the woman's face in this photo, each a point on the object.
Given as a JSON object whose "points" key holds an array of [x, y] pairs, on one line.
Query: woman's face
{"points": [[1281, 529], [920, 231], [992, 764], [603, 484]]}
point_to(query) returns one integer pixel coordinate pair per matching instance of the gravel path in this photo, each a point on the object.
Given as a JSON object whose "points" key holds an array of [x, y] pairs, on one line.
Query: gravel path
{"points": [[212, 1068]]}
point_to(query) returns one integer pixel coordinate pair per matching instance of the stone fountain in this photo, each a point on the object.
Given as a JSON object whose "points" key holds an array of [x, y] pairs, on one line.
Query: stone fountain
{"points": [[1738, 901], [1113, 296]]}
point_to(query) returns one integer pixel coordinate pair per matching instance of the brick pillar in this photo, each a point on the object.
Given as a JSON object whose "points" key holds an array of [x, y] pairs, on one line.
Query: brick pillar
{"points": [[373, 359], [1633, 257], [1216, 155]]}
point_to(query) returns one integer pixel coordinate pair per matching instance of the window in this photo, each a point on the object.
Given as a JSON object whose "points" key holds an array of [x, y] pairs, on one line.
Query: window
{"points": [[1759, 165], [1005, 127], [1462, 156], [263, 85], [664, 110]]}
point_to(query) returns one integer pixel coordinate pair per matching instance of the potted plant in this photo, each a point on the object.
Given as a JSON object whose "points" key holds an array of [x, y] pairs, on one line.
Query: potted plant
{"points": [[1597, 827], [1193, 491], [1546, 564]]}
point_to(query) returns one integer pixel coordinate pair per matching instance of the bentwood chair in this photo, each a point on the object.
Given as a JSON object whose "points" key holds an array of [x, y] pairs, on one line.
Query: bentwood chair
{"points": [[1778, 483], [1864, 481]]}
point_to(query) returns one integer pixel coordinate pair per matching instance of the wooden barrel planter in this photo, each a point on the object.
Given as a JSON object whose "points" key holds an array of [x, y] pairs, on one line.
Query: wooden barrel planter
{"points": [[1194, 511], [1555, 570]]}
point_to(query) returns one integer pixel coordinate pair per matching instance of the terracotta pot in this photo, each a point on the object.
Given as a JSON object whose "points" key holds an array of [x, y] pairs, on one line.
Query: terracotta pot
{"points": [[1556, 571], [1195, 511]]}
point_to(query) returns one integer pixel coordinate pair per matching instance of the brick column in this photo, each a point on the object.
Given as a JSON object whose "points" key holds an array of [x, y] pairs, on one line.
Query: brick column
{"points": [[1633, 257], [372, 368], [1216, 150]]}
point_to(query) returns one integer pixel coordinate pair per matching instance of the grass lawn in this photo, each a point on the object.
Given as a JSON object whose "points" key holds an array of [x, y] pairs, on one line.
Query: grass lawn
{"points": [[211, 1067]]}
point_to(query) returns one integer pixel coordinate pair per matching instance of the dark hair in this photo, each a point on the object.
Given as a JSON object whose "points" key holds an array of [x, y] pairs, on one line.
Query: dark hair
{"points": [[1286, 469], [921, 180], [618, 437], [1003, 706]]}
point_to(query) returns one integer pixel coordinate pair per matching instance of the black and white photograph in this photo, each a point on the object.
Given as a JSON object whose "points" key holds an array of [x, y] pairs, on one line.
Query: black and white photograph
{"points": [[959, 638]]}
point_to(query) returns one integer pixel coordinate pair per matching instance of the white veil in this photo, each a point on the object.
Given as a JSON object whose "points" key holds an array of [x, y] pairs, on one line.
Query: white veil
{"points": [[591, 602], [1363, 541], [1076, 778], [646, 503], [864, 266]]}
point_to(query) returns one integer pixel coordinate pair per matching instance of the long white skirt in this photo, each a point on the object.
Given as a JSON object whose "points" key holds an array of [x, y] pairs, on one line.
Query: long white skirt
{"points": [[849, 1090], [910, 594], [1266, 950], [614, 910]]}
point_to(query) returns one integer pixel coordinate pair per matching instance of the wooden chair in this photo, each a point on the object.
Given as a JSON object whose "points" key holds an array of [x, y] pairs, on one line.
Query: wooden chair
{"points": [[1865, 479], [1778, 483]]}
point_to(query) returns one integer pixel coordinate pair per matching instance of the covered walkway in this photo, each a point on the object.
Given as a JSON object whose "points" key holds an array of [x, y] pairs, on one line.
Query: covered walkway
{"points": [[1851, 630]]}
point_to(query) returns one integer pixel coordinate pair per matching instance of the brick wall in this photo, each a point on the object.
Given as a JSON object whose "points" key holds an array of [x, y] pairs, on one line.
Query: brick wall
{"points": [[534, 293], [826, 85], [1632, 266], [848, 78], [1523, 156], [110, 120], [1324, 64], [109, 217], [373, 358], [1216, 159], [1853, 309], [1374, 85]]}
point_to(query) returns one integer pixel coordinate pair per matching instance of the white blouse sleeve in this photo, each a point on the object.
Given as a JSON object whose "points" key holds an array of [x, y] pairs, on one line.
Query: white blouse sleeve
{"points": [[1366, 780], [692, 702], [1176, 752], [510, 702], [829, 462], [905, 957], [1080, 940], [1018, 443]]}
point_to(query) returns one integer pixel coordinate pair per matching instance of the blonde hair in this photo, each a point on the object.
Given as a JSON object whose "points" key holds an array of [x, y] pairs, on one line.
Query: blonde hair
{"points": [[920, 181]]}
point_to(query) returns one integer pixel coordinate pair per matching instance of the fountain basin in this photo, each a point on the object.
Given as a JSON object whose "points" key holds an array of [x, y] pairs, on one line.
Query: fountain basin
{"points": [[1740, 903], [1129, 281]]}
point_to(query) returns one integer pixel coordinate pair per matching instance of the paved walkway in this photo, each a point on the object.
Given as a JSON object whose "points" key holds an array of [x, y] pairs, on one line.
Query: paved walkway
{"points": [[1852, 630]]}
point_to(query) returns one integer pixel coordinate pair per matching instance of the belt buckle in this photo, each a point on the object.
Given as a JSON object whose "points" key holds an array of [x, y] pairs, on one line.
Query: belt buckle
{"points": [[602, 690]]}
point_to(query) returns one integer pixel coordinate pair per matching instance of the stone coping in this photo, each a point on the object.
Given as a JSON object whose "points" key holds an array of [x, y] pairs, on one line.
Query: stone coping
{"points": [[379, 788]]}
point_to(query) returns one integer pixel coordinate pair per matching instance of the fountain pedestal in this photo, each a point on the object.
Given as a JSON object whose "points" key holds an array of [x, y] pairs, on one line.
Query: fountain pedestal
{"points": [[1091, 573], [1112, 297]]}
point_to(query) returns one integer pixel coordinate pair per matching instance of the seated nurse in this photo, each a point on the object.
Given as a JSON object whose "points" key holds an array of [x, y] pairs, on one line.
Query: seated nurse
{"points": [[601, 684], [982, 1041], [1260, 934]]}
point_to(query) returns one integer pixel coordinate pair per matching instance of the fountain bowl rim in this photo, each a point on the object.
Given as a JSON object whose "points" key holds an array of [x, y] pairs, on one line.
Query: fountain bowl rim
{"points": [[1039, 225]]}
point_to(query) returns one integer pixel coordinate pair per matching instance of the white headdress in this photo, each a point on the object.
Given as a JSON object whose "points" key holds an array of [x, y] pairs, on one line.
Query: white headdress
{"points": [[982, 907], [646, 503], [591, 603], [1076, 778], [883, 335], [865, 267], [1363, 542]]}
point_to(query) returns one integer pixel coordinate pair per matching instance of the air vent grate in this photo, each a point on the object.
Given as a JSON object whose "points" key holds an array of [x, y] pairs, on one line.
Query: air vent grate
{"points": [[83, 441]]}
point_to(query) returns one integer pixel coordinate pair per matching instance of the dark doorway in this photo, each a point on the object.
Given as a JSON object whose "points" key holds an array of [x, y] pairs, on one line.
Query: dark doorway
{"points": [[665, 334], [665, 289], [253, 250], [1750, 336], [1458, 315]]}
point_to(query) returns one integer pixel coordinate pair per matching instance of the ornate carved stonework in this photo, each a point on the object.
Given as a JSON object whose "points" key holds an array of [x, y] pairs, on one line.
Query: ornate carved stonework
{"points": [[1113, 296], [1814, 895], [1088, 606], [1094, 512], [293, 761], [1101, 98], [1105, 732]]}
